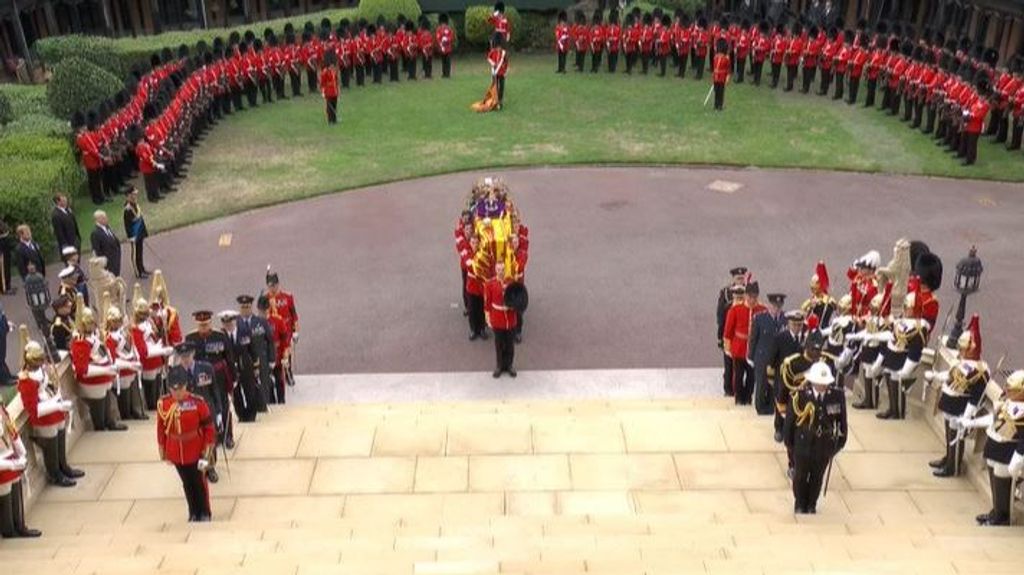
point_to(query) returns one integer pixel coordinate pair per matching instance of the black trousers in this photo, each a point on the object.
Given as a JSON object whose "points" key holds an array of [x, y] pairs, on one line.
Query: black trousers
{"points": [[662, 65], [727, 375], [764, 394], [279, 87], [613, 61], [411, 70], [698, 66], [719, 95], [741, 70], [581, 58], [918, 113], [776, 74], [1015, 138], [250, 94], [465, 294], [742, 381], [501, 90], [808, 477], [476, 314], [446, 65], [1003, 130], [392, 67], [311, 80], [98, 412], [136, 247], [854, 87], [266, 91], [758, 68], [970, 146], [377, 72], [645, 62], [630, 62], [332, 110], [840, 82], [346, 76], [808, 78], [561, 63], [152, 184], [826, 82], [504, 349], [790, 76], [151, 391], [428, 66], [908, 108], [681, 63], [5, 275], [197, 495], [595, 62], [95, 178], [993, 124], [872, 88], [360, 74], [954, 456], [929, 121], [296, 81], [236, 99]]}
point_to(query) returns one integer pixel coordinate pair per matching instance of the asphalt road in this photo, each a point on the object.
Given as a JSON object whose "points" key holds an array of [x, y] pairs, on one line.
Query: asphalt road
{"points": [[625, 263]]}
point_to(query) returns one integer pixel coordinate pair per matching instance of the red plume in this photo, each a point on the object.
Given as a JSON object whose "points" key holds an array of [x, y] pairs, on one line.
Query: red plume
{"points": [[813, 322], [822, 272], [975, 328]]}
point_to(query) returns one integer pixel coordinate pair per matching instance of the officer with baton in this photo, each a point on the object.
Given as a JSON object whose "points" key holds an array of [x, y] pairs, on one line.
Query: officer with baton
{"points": [[815, 431]]}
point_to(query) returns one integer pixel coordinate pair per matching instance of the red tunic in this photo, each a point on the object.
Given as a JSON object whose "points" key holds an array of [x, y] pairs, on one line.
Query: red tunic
{"points": [[445, 39], [976, 116], [282, 304], [33, 388], [498, 59], [82, 356], [499, 316], [150, 363], [87, 143], [8, 439], [329, 82], [737, 328], [562, 38], [721, 68], [184, 429]]}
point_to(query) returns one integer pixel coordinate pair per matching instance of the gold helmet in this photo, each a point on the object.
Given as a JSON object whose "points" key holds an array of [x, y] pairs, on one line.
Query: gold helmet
{"points": [[1015, 381], [33, 354], [158, 290], [845, 303], [114, 315], [140, 307], [85, 319]]}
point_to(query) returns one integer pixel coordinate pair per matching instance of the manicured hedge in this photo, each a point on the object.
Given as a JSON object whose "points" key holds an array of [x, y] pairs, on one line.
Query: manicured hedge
{"points": [[98, 50], [479, 31], [389, 9], [35, 152], [79, 85], [537, 31]]}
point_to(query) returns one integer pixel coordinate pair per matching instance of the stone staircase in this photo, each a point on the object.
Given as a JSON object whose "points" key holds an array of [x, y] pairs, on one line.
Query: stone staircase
{"points": [[523, 487]]}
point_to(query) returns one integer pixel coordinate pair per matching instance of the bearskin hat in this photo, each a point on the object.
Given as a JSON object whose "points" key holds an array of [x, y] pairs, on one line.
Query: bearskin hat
{"points": [[907, 48], [928, 267], [848, 36], [763, 26], [77, 120], [613, 17], [862, 24], [289, 28], [308, 27], [983, 82], [597, 17], [991, 57], [249, 36], [665, 20], [516, 296], [443, 18], [499, 7]]}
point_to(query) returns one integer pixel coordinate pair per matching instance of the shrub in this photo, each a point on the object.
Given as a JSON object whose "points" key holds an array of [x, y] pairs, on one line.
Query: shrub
{"points": [[79, 85], [38, 124], [479, 31], [389, 9], [98, 50], [537, 31], [26, 99], [688, 6], [6, 112]]}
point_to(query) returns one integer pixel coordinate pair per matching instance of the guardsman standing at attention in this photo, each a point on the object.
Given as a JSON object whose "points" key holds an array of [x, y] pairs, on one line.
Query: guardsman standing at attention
{"points": [[581, 39], [963, 389], [815, 432], [562, 38], [13, 461], [47, 412], [94, 368], [597, 38], [445, 44], [1004, 448], [497, 58], [613, 40], [760, 348], [720, 72], [135, 229], [735, 337], [186, 437], [329, 87], [500, 22]]}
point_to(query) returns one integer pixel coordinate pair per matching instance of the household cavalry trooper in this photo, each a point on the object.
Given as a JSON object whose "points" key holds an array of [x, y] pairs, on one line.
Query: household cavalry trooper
{"points": [[900, 357], [820, 304], [870, 340], [1004, 449], [127, 390], [815, 431], [150, 347], [765, 327], [94, 368], [963, 388], [13, 461], [792, 378], [48, 413], [837, 333], [186, 438]]}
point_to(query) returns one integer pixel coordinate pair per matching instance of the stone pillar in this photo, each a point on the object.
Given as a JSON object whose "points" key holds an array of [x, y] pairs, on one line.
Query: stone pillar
{"points": [[135, 17], [39, 21], [51, 18], [158, 26], [19, 34], [147, 15]]}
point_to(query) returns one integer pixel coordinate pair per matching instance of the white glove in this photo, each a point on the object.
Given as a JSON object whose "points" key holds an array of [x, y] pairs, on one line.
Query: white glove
{"points": [[160, 167], [976, 422], [8, 465], [970, 410], [166, 352], [750, 362], [1016, 464], [220, 420], [859, 336], [884, 337], [295, 337], [929, 375], [908, 369], [957, 423], [203, 465], [19, 464]]}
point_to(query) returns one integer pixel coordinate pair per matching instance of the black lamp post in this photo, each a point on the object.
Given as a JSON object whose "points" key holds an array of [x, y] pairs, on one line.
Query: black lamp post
{"points": [[37, 293], [966, 281]]}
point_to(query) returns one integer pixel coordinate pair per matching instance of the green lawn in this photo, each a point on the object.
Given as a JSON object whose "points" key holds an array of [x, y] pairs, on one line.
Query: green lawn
{"points": [[286, 151]]}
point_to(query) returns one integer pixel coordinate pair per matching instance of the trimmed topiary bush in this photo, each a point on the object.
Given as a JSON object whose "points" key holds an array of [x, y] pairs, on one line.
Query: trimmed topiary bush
{"points": [[389, 9], [479, 31], [98, 50], [537, 32], [79, 85]]}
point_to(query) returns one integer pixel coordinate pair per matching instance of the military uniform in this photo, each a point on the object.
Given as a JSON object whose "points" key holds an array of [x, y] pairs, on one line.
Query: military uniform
{"points": [[186, 437], [135, 230], [760, 350], [263, 348], [898, 361], [61, 330], [815, 431], [247, 398], [725, 300], [214, 348], [735, 337], [13, 460]]}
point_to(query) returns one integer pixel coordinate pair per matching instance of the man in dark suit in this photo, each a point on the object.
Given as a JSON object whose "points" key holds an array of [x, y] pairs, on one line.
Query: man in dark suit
{"points": [[263, 346], [65, 226], [28, 252], [6, 378], [7, 244], [760, 350], [105, 243]]}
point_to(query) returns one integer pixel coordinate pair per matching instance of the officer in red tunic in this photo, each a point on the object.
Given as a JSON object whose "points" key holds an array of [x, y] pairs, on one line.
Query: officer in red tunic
{"points": [[974, 118], [502, 320], [562, 37], [13, 461], [186, 437], [581, 40], [329, 87], [734, 339], [497, 58], [445, 37], [720, 73], [47, 412]]}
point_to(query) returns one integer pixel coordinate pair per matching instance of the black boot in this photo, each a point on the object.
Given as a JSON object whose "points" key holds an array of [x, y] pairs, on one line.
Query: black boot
{"points": [[7, 530], [893, 411], [18, 511], [62, 456], [1002, 499], [868, 400], [54, 475]]}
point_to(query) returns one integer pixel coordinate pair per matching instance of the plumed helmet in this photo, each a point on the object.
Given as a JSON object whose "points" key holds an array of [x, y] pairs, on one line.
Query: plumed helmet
{"points": [[32, 354], [820, 278], [1015, 381], [113, 315], [845, 303], [870, 260], [969, 341]]}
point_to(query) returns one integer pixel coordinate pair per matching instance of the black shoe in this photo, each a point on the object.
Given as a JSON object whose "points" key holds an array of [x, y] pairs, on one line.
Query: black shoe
{"points": [[778, 437], [60, 481], [229, 442], [28, 533], [983, 518], [512, 372], [496, 374], [996, 522], [518, 338], [204, 519], [211, 475], [943, 472], [117, 427], [862, 405], [937, 463], [885, 415], [812, 510], [484, 336], [72, 473], [473, 336]]}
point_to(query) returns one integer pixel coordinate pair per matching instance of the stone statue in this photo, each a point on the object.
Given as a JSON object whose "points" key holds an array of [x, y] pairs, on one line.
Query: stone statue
{"points": [[897, 271]]}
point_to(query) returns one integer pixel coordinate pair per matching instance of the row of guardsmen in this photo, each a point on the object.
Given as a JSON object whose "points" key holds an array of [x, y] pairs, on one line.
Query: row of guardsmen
{"points": [[794, 364], [191, 381]]}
